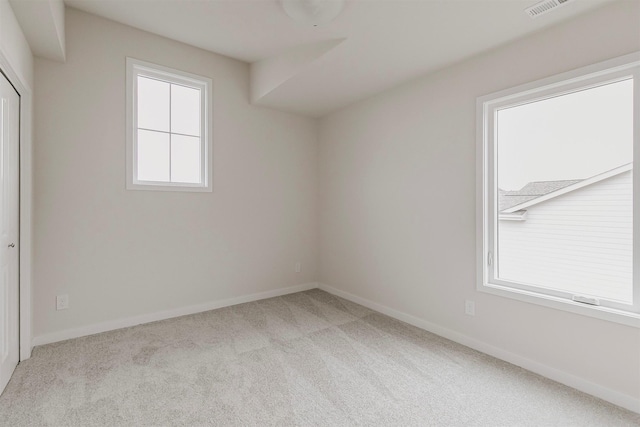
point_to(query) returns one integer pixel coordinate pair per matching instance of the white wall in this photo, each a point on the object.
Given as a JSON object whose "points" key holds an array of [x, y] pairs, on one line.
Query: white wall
{"points": [[397, 206], [120, 253]]}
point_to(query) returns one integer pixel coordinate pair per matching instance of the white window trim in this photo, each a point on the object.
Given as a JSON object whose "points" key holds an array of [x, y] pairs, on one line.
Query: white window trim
{"points": [[486, 105], [136, 67]]}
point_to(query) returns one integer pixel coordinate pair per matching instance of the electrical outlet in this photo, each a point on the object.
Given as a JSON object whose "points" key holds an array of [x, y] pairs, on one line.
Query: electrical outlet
{"points": [[62, 302], [470, 307], [298, 267]]}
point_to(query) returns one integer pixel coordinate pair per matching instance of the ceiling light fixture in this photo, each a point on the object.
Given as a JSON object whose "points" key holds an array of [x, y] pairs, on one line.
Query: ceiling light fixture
{"points": [[312, 12]]}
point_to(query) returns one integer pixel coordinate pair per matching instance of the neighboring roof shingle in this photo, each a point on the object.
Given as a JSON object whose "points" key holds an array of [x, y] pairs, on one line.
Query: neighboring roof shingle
{"points": [[540, 191], [533, 190]]}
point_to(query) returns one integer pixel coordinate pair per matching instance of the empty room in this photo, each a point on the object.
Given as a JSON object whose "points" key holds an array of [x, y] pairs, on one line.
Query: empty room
{"points": [[319, 213]]}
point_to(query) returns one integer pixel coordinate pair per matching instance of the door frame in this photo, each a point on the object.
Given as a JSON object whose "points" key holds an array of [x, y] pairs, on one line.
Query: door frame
{"points": [[26, 201]]}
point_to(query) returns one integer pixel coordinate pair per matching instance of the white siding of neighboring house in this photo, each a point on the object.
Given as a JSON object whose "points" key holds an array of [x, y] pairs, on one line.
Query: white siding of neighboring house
{"points": [[580, 242]]}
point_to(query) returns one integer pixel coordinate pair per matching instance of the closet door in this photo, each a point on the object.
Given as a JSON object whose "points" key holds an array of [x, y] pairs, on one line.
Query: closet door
{"points": [[9, 241]]}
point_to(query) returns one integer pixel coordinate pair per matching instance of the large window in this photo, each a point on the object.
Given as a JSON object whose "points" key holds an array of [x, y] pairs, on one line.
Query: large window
{"points": [[556, 202], [168, 129]]}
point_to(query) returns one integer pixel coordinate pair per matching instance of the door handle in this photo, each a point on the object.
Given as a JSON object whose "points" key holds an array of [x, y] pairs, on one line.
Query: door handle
{"points": [[12, 245]]}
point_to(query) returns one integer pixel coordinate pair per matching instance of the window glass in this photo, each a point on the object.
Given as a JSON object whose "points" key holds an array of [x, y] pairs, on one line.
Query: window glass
{"points": [[153, 156], [564, 192], [185, 110], [153, 104], [185, 159]]}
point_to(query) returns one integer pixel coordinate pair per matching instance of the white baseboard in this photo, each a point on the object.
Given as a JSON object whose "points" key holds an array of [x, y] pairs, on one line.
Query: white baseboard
{"points": [[111, 325], [617, 398], [604, 393]]}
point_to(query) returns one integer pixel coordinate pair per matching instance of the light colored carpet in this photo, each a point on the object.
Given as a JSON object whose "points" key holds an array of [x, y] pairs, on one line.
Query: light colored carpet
{"points": [[303, 359]]}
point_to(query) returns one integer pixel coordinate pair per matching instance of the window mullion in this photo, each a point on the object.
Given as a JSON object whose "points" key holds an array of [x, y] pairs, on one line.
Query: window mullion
{"points": [[492, 191], [636, 190], [170, 134], [204, 155]]}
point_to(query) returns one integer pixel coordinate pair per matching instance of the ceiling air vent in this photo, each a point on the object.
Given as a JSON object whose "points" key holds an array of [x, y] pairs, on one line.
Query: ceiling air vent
{"points": [[544, 7]]}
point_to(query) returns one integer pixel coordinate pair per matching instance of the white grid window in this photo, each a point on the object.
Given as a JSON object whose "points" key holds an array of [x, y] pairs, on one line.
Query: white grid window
{"points": [[168, 129]]}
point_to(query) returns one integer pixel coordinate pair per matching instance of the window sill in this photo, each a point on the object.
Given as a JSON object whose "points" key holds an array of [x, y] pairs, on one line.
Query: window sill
{"points": [[162, 187], [598, 312]]}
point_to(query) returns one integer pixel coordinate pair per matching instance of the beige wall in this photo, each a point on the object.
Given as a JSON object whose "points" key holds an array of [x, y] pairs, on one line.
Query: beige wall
{"points": [[120, 253], [397, 205]]}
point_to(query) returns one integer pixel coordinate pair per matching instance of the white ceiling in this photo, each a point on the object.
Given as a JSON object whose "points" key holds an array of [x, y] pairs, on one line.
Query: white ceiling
{"points": [[385, 41]]}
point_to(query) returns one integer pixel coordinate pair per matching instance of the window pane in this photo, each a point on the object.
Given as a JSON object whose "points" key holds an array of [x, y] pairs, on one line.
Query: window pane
{"points": [[185, 159], [153, 104], [185, 110], [565, 192], [153, 156]]}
